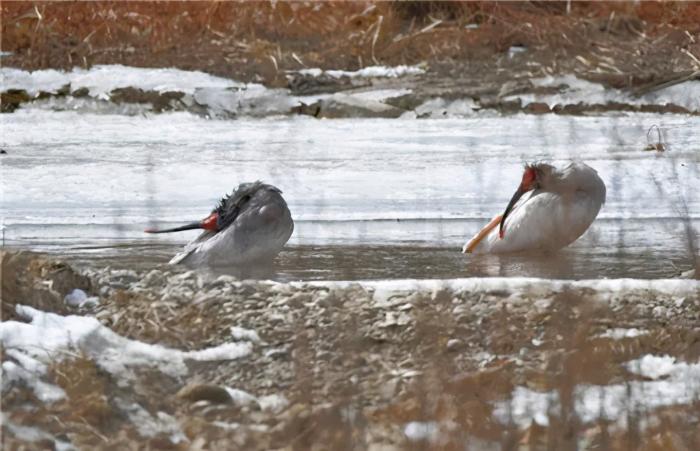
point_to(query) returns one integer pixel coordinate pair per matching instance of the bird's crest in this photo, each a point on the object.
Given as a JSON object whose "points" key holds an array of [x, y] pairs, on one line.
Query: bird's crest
{"points": [[238, 196]]}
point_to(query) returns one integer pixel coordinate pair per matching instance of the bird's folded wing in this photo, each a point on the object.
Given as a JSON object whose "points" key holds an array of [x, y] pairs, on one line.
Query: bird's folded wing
{"points": [[533, 224], [191, 247]]}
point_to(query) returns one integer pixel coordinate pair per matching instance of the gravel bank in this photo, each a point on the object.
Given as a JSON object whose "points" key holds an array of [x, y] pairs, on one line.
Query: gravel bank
{"points": [[376, 365]]}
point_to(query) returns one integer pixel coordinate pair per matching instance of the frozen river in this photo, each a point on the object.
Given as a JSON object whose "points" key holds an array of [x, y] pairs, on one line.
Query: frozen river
{"points": [[371, 198]]}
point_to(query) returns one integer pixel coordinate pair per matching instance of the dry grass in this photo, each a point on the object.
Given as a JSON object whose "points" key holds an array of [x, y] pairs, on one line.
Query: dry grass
{"points": [[263, 39], [86, 392]]}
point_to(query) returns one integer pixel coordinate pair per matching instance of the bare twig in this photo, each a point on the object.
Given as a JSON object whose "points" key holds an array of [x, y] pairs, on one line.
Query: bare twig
{"points": [[659, 145], [376, 36]]}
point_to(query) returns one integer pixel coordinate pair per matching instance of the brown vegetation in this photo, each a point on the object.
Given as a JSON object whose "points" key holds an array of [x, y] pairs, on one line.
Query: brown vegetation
{"points": [[263, 39]]}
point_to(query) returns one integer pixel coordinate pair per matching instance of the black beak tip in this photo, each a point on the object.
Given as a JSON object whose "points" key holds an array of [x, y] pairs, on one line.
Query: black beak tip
{"points": [[191, 226]]}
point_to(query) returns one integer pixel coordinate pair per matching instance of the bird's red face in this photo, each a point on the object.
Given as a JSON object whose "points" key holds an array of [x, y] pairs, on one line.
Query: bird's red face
{"points": [[528, 183], [529, 179]]}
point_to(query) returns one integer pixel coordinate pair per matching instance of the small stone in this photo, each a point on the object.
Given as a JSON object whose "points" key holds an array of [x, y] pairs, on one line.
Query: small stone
{"points": [[205, 392], [153, 278], [81, 92], [658, 311], [276, 353], [454, 344], [78, 298], [75, 298], [537, 108]]}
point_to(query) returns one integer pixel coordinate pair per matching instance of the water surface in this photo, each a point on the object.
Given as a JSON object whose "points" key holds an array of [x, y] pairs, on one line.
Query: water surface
{"points": [[371, 198]]}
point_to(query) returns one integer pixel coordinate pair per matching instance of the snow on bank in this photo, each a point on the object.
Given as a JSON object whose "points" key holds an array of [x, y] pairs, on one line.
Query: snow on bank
{"points": [[152, 425], [202, 92], [49, 337], [420, 431], [656, 367], [680, 385], [573, 90], [224, 97], [101, 80], [384, 288], [366, 72], [620, 333], [13, 373], [33, 435], [272, 403]]}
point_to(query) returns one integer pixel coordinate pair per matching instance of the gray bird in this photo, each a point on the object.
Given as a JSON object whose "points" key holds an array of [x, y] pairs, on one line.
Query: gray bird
{"points": [[252, 224]]}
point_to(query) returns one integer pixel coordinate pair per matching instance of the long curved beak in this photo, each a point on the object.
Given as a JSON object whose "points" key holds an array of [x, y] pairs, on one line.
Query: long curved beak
{"points": [[208, 223], [190, 226], [513, 200]]}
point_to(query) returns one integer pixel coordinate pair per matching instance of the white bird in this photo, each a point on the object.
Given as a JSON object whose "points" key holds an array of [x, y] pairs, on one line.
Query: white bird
{"points": [[252, 224], [551, 209]]}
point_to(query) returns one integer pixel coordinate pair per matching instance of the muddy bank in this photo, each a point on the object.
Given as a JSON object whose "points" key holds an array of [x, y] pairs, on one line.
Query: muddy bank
{"points": [[373, 92], [181, 359]]}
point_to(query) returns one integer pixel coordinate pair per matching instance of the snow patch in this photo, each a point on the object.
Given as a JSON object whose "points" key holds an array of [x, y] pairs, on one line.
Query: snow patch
{"points": [[655, 367], [242, 334], [382, 289], [273, 403], [240, 397], [367, 72], [574, 90], [47, 336], [619, 333], [45, 392], [421, 430], [612, 402], [102, 79], [380, 95], [33, 434], [151, 426], [441, 108]]}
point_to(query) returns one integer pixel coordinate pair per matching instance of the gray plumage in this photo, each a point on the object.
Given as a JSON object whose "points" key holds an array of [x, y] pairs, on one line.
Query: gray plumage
{"points": [[254, 223]]}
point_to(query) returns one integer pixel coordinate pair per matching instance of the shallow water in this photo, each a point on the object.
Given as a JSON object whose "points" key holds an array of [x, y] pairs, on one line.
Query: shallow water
{"points": [[371, 198]]}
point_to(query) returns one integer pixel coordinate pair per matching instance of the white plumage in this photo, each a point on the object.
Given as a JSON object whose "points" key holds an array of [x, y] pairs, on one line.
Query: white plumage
{"points": [[557, 206]]}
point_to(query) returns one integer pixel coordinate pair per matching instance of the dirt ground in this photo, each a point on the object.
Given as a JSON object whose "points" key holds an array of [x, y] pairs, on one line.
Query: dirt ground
{"points": [[619, 44], [355, 368]]}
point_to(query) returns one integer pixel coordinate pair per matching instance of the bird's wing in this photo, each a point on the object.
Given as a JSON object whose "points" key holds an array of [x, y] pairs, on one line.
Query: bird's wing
{"points": [[529, 226], [192, 247]]}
